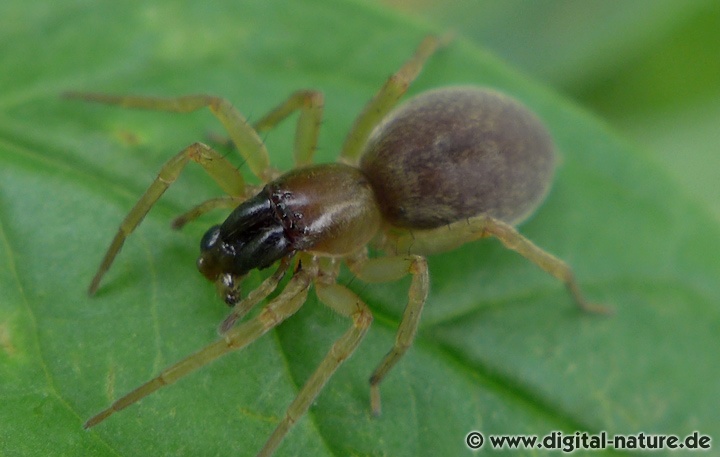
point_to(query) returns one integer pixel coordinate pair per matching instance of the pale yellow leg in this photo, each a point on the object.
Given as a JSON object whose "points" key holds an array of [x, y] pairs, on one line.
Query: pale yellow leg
{"points": [[282, 307], [224, 202], [548, 262], [247, 141], [387, 269], [310, 104], [384, 101], [257, 295], [458, 233], [222, 171], [347, 304]]}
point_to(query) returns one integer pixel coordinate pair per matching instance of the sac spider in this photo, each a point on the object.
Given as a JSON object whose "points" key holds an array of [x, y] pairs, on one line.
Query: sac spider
{"points": [[450, 166]]}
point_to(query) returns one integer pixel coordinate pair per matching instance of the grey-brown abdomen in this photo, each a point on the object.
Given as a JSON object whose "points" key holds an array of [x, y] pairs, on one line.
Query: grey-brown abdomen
{"points": [[454, 153]]}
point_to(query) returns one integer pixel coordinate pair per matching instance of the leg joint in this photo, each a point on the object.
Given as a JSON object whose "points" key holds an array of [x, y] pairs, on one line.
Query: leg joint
{"points": [[362, 318], [310, 98], [418, 265]]}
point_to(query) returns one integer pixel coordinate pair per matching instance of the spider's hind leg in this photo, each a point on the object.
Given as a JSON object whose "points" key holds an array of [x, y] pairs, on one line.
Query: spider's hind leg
{"points": [[451, 236], [386, 269]]}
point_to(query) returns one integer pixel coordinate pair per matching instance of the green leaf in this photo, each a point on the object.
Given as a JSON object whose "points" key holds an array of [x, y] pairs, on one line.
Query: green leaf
{"points": [[501, 348]]}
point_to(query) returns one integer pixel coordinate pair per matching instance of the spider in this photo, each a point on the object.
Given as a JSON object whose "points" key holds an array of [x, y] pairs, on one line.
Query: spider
{"points": [[448, 167]]}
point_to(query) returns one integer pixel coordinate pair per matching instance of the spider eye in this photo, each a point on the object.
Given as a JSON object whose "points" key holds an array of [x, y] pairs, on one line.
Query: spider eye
{"points": [[210, 261], [209, 267], [210, 239]]}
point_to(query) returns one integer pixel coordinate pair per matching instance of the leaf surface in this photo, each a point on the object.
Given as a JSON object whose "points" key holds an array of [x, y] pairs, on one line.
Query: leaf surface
{"points": [[501, 348]]}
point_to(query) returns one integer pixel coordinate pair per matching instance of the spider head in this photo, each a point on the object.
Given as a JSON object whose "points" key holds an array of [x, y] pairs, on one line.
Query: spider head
{"points": [[251, 238], [216, 264]]}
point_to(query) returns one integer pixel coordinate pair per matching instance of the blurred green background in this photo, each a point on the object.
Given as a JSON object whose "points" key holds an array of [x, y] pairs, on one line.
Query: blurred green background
{"points": [[650, 68]]}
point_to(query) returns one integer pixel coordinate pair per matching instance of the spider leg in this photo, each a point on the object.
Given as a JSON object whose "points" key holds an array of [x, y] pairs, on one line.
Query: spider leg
{"points": [[448, 237], [512, 239], [385, 99], [224, 202], [310, 103], [222, 171], [247, 141], [255, 296], [282, 307], [386, 269], [346, 303]]}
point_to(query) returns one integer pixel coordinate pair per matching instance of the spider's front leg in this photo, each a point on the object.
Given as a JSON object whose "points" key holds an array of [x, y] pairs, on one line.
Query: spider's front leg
{"points": [[222, 171], [282, 307], [310, 104], [243, 135], [245, 138], [347, 304]]}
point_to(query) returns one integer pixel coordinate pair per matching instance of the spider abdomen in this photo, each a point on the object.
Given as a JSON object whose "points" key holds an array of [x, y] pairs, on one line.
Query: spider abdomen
{"points": [[454, 153]]}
